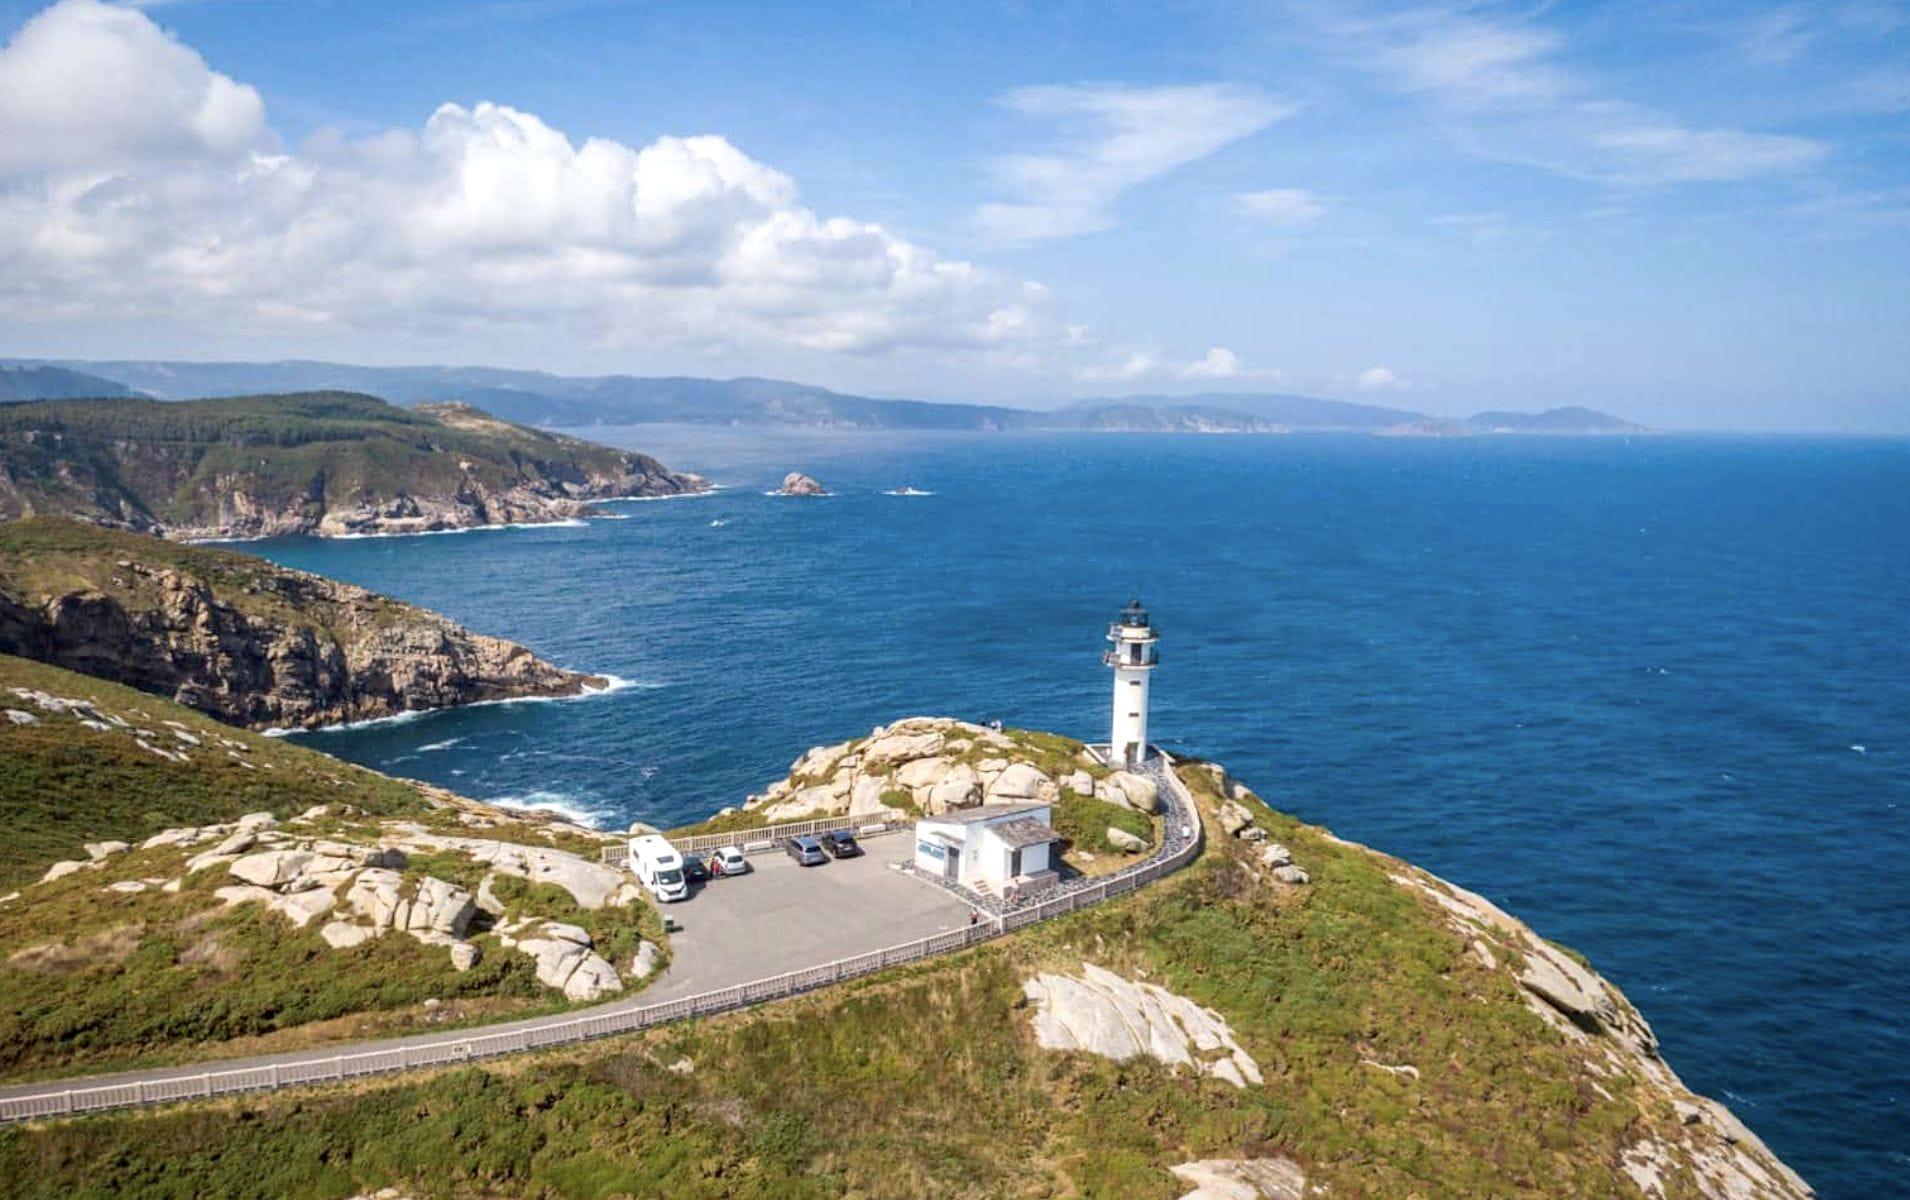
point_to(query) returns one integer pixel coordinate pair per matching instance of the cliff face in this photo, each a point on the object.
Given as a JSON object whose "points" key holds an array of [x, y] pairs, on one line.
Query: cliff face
{"points": [[240, 639], [326, 463]]}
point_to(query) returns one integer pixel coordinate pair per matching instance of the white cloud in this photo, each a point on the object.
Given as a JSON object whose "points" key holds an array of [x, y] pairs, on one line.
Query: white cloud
{"points": [[1140, 366], [1502, 88], [87, 85], [1218, 363], [1674, 154], [1119, 137], [1283, 208], [1374, 379], [136, 181]]}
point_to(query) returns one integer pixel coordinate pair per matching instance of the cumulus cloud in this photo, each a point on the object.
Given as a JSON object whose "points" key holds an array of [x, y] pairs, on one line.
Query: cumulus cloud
{"points": [[87, 85], [1376, 379], [134, 179], [1282, 208], [1116, 138]]}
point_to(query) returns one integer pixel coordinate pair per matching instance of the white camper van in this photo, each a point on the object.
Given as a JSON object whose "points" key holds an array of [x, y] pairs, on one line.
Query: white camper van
{"points": [[658, 867]]}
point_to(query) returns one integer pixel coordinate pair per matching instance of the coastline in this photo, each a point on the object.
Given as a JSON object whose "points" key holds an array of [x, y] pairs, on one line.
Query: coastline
{"points": [[613, 685]]}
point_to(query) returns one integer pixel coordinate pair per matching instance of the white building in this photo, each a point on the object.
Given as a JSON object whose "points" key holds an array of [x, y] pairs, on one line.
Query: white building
{"points": [[988, 848], [1134, 655]]}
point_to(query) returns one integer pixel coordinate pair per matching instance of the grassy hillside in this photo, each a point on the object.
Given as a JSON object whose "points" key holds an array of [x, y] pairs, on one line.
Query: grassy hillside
{"points": [[265, 464], [927, 1081], [92, 977], [66, 783]]}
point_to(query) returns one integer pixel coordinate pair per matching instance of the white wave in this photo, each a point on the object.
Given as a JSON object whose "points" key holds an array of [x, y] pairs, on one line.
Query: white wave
{"points": [[612, 683], [403, 718], [718, 523], [566, 523], [809, 496], [567, 807], [1859, 749], [711, 490], [444, 745], [907, 491]]}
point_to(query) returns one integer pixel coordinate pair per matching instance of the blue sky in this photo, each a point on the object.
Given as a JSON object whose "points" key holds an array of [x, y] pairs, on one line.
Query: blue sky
{"points": [[1691, 214]]}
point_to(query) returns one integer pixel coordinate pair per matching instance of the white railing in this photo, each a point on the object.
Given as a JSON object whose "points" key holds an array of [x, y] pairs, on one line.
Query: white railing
{"points": [[60, 1100], [762, 838]]}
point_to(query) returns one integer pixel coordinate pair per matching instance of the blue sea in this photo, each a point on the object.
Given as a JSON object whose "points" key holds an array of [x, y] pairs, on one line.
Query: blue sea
{"points": [[1653, 695]]}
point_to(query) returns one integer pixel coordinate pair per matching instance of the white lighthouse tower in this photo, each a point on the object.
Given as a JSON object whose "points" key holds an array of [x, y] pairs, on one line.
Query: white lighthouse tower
{"points": [[1133, 656]]}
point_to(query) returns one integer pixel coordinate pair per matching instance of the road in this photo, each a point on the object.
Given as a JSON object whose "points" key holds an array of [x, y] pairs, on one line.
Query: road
{"points": [[780, 917]]}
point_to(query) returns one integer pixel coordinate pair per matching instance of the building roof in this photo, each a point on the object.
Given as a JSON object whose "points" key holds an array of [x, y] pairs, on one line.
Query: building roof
{"points": [[1024, 831], [984, 812]]}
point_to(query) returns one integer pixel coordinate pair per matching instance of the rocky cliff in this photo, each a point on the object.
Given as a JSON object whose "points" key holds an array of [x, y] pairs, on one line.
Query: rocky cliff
{"points": [[241, 639], [325, 463]]}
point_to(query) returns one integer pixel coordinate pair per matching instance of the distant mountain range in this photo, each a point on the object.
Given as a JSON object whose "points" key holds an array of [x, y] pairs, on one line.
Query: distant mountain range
{"points": [[574, 402]]}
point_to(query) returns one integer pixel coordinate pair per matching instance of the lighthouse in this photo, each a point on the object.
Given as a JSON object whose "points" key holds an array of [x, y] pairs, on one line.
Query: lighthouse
{"points": [[1133, 655]]}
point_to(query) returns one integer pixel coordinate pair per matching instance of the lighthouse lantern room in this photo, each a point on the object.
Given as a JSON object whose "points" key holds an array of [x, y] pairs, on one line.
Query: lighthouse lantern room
{"points": [[1133, 654]]}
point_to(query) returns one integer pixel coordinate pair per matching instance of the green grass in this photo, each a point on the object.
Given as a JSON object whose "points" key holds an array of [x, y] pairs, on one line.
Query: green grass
{"points": [[64, 784], [925, 1081], [90, 979], [1083, 823]]}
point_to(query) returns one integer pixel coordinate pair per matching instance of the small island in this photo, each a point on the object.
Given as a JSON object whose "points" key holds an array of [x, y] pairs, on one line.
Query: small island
{"points": [[797, 484]]}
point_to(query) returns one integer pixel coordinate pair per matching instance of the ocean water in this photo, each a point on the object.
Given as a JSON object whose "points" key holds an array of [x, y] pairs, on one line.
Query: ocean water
{"points": [[1651, 695]]}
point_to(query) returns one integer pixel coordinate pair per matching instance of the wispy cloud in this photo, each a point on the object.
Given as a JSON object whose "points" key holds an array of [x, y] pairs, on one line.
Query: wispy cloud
{"points": [[1504, 87], [1113, 138], [1282, 208]]}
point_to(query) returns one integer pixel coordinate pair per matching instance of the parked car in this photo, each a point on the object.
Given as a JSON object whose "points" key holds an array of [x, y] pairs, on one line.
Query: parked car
{"points": [[695, 869], [806, 850], [840, 843], [728, 860]]}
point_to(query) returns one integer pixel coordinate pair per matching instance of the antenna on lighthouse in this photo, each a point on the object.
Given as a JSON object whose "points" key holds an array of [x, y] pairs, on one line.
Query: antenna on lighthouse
{"points": [[1133, 655]]}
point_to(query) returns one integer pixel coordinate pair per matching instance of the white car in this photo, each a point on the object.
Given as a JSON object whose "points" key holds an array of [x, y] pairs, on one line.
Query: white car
{"points": [[728, 861]]}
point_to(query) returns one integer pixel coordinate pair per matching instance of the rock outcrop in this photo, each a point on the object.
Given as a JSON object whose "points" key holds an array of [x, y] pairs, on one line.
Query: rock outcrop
{"points": [[1242, 1179], [1102, 1013], [241, 639], [797, 484], [933, 764]]}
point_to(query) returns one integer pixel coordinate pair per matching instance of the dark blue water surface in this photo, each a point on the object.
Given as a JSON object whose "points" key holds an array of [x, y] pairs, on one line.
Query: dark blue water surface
{"points": [[1652, 695]]}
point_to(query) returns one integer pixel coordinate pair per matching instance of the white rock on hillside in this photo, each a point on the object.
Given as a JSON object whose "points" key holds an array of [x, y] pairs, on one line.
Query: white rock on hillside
{"points": [[60, 870], [591, 884], [1242, 1179], [1137, 791], [1020, 783], [101, 851], [1102, 1013], [570, 965], [960, 788], [270, 868], [1124, 841]]}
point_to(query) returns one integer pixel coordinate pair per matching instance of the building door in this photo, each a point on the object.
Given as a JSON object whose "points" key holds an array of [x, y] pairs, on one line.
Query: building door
{"points": [[1014, 862], [952, 864]]}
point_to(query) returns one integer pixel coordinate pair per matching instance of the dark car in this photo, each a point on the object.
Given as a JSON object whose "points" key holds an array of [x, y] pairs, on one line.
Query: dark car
{"points": [[840, 843], [695, 869], [806, 850]]}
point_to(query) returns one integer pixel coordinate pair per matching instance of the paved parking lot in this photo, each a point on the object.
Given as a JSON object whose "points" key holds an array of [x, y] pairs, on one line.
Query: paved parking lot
{"points": [[782, 917]]}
